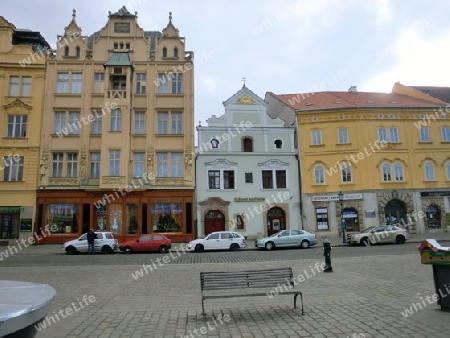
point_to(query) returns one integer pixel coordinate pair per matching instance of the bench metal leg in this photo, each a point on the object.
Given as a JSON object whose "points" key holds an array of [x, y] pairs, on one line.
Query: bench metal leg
{"points": [[301, 299]]}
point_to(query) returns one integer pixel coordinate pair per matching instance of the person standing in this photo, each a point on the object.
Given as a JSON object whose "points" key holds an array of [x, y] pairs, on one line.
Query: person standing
{"points": [[91, 241]]}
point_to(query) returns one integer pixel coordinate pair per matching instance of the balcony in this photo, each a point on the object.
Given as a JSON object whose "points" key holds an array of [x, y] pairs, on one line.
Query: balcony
{"points": [[116, 94]]}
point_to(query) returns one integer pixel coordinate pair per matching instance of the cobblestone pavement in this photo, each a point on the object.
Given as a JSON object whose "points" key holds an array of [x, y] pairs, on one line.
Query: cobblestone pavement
{"points": [[363, 297]]}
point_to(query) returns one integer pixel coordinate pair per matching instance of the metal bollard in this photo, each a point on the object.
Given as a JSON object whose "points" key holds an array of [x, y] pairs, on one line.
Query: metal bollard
{"points": [[327, 255]]}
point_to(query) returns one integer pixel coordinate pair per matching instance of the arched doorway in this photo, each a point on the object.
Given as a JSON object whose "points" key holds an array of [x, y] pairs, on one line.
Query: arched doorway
{"points": [[433, 217], [276, 220], [350, 216], [214, 221], [395, 212]]}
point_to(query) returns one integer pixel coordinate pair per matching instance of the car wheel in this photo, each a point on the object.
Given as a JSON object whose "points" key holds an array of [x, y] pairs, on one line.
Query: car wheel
{"points": [[199, 248], [234, 247], [400, 239], [269, 246], [128, 250], [71, 250], [163, 249], [106, 249], [365, 241], [304, 245]]}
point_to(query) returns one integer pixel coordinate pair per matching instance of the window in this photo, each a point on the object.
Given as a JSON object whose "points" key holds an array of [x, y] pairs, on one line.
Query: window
{"points": [[72, 165], [114, 162], [139, 123], [278, 144], [74, 123], [177, 84], [445, 134], [228, 179], [398, 172], [177, 165], [164, 52], [248, 177], [240, 225], [322, 219], [116, 120], [213, 179], [20, 86], [346, 171], [429, 171], [319, 177], [424, 134], [316, 137], [66, 51], [62, 83], [60, 121], [99, 83], [138, 170], [269, 177], [162, 122], [177, 123], [175, 52], [95, 165], [77, 80], [162, 164], [342, 135], [17, 126], [141, 84], [393, 135], [57, 165], [163, 84], [387, 175], [447, 169], [96, 124], [214, 143], [77, 51], [247, 145], [13, 168]]}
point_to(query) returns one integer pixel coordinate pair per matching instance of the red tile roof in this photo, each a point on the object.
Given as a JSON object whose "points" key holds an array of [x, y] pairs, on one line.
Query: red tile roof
{"points": [[334, 100]]}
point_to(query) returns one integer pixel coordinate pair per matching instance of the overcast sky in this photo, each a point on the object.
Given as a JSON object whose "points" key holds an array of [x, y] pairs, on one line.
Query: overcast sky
{"points": [[283, 46]]}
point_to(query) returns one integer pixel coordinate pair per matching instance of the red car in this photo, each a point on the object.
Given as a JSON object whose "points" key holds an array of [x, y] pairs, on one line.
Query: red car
{"points": [[154, 242]]}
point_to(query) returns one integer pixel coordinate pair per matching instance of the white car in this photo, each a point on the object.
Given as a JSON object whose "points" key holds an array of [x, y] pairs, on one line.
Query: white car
{"points": [[379, 234], [104, 243], [219, 240]]}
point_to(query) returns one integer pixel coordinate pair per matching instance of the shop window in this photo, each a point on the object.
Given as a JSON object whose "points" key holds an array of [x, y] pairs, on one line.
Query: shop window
{"points": [[115, 218], [166, 217], [63, 218], [132, 220], [322, 219], [9, 222]]}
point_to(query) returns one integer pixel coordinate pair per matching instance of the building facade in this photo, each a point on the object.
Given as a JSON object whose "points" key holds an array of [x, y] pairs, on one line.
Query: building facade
{"points": [[247, 171], [23, 55], [386, 153], [117, 149]]}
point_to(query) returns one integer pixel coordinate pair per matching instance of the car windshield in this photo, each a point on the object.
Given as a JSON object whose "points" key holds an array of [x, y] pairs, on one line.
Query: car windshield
{"points": [[369, 229]]}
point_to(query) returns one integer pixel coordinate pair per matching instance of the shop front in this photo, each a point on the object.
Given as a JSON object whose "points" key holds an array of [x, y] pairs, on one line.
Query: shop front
{"points": [[72, 213]]}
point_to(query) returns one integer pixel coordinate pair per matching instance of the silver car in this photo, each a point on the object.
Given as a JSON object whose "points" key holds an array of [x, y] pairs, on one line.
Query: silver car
{"points": [[287, 238], [104, 243]]}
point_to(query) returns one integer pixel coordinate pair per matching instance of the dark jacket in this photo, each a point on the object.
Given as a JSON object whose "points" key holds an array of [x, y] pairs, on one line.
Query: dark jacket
{"points": [[91, 236]]}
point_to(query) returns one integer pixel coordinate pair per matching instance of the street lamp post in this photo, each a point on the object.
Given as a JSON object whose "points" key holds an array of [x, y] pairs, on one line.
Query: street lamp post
{"points": [[343, 224]]}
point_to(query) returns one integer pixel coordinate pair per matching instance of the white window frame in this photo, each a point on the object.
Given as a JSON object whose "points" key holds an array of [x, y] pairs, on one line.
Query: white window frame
{"points": [[17, 126], [424, 134], [95, 165], [141, 83], [316, 137], [398, 172], [386, 172], [19, 86], [346, 172], [445, 132], [162, 164], [428, 168], [162, 84], [138, 164], [223, 183], [57, 164], [99, 83], [163, 122], [13, 169], [139, 123], [343, 136], [114, 162], [115, 120], [72, 165], [319, 174]]}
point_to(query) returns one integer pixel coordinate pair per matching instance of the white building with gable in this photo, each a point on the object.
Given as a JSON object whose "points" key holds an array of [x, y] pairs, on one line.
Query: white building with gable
{"points": [[247, 171]]}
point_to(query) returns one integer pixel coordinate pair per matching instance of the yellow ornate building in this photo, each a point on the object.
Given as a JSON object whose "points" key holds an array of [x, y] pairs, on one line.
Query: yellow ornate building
{"points": [[22, 77], [387, 153], [117, 143]]}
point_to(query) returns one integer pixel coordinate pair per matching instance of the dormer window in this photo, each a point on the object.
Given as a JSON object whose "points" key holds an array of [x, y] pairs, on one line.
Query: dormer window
{"points": [[175, 52], [278, 144], [164, 52], [66, 51], [214, 143]]}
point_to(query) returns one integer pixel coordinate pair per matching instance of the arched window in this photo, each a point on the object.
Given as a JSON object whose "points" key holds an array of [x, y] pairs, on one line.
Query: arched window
{"points": [[278, 144], [247, 145], [66, 51], [214, 143], [429, 171], [447, 169], [387, 174], [398, 172], [319, 177], [175, 52], [77, 51], [346, 171], [164, 52]]}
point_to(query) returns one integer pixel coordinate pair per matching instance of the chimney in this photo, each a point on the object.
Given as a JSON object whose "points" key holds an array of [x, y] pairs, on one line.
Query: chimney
{"points": [[352, 89]]}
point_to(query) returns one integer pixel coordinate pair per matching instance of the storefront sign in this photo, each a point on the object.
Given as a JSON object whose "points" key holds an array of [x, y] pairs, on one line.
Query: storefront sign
{"points": [[327, 198], [249, 199], [370, 213], [8, 210], [25, 225], [435, 194]]}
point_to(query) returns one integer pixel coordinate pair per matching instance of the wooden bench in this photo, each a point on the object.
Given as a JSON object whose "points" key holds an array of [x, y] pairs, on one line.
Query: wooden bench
{"points": [[278, 281]]}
